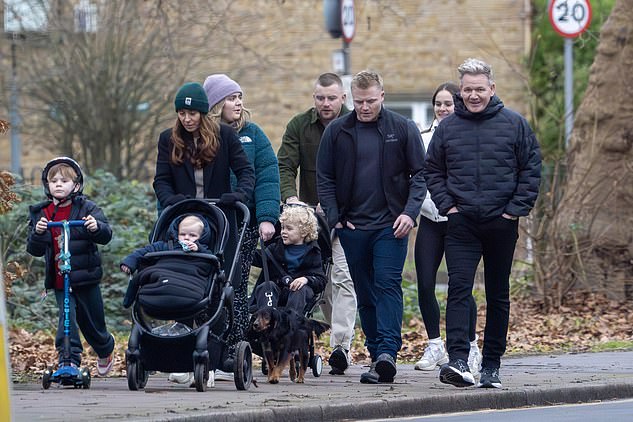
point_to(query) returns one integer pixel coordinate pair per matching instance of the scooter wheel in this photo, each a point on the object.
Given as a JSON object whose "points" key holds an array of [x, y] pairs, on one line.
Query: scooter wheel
{"points": [[46, 378], [85, 378]]}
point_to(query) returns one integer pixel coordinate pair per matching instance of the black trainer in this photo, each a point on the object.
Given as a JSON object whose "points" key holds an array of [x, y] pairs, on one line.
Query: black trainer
{"points": [[338, 361], [371, 376], [386, 368], [489, 378], [456, 373]]}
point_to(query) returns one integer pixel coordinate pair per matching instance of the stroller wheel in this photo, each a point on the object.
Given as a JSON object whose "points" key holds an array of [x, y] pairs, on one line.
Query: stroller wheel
{"points": [[132, 370], [46, 378], [142, 375], [200, 376], [243, 366], [136, 375], [317, 366]]}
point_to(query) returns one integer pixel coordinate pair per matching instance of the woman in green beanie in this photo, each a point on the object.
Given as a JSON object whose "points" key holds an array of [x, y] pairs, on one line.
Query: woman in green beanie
{"points": [[196, 155], [195, 160]]}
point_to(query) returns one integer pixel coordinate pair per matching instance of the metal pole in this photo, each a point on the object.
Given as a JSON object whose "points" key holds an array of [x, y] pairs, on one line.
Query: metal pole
{"points": [[347, 75], [14, 115], [569, 90], [346, 58]]}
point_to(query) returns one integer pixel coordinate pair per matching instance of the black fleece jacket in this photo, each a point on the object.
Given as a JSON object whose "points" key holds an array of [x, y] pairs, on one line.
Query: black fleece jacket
{"points": [[402, 160]]}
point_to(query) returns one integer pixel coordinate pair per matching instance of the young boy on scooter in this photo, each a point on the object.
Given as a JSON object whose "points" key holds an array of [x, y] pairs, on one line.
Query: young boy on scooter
{"points": [[63, 184]]}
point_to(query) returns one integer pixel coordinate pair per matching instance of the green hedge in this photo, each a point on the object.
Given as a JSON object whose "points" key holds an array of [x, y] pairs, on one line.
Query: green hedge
{"points": [[131, 210]]}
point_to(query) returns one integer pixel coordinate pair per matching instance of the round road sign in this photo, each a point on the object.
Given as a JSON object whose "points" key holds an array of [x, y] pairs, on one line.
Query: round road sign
{"points": [[348, 21], [570, 18]]}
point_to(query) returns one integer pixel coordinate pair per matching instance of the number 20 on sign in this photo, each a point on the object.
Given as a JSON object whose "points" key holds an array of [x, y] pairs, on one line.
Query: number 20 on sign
{"points": [[570, 18]]}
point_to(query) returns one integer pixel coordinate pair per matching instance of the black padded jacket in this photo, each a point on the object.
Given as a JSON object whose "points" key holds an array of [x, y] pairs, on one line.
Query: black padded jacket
{"points": [[85, 260], [485, 164]]}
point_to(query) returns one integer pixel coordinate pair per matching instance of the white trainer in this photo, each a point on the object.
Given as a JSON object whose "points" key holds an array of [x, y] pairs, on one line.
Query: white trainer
{"points": [[211, 380], [474, 358], [434, 356], [181, 377], [223, 376]]}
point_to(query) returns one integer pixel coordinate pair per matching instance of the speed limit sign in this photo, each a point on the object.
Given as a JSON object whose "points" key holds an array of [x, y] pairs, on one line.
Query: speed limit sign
{"points": [[348, 21], [570, 18]]}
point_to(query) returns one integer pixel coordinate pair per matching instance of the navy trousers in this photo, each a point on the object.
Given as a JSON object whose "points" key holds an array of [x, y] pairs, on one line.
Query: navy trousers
{"points": [[375, 259], [86, 314]]}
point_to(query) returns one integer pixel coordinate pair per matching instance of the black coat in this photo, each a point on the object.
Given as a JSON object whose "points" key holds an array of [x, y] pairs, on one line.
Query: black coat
{"points": [[85, 260], [173, 183], [401, 166], [310, 267], [483, 163]]}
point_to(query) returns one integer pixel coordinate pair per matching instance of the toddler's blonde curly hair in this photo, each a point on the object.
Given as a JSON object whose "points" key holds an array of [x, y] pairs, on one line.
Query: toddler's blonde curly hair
{"points": [[303, 216]]}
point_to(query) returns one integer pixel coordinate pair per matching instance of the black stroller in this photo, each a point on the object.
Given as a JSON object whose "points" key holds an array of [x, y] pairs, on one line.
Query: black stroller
{"points": [[315, 362], [183, 326]]}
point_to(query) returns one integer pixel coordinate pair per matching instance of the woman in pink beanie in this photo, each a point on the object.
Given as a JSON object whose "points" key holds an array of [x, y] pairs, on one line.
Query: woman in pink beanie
{"points": [[226, 106]]}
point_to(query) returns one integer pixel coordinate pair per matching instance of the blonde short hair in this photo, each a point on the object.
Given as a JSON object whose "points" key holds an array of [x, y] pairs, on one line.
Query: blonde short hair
{"points": [[367, 78], [192, 220], [473, 66], [304, 217]]}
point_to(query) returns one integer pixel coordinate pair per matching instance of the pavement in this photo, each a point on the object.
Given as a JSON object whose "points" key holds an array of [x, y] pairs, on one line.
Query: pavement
{"points": [[527, 381]]}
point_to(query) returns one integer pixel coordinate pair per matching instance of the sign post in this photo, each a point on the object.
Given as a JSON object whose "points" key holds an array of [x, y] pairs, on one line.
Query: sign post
{"points": [[348, 29], [569, 18], [340, 21]]}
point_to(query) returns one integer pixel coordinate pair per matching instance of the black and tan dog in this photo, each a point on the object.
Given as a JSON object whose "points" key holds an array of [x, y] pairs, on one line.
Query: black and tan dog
{"points": [[281, 335]]}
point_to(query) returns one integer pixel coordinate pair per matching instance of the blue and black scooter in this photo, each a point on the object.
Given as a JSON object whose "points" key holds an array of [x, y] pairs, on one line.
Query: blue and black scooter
{"points": [[66, 374]]}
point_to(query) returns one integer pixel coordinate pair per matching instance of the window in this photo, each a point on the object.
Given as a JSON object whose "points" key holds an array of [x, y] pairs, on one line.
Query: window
{"points": [[421, 112], [85, 17], [25, 15]]}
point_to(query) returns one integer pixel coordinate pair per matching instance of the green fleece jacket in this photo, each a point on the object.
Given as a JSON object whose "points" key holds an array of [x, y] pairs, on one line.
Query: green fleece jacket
{"points": [[299, 147]]}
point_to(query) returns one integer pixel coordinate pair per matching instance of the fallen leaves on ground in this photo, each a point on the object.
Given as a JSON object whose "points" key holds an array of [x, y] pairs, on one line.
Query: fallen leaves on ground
{"points": [[585, 322]]}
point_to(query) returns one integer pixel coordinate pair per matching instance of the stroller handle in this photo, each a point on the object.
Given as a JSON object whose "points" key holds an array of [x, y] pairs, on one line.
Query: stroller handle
{"points": [[71, 223]]}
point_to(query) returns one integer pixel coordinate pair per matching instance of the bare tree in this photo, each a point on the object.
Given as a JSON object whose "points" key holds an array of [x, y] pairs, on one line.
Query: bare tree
{"points": [[102, 78], [588, 243]]}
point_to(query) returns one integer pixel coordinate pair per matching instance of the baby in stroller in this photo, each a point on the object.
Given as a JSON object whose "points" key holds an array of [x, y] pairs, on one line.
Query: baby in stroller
{"points": [[182, 300], [296, 274], [189, 233]]}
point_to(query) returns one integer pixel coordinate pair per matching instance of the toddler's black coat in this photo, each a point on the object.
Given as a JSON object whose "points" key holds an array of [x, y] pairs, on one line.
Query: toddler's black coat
{"points": [[85, 259]]}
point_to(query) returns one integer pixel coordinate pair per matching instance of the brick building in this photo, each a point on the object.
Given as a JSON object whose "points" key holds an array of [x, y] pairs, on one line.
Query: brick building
{"points": [[276, 48]]}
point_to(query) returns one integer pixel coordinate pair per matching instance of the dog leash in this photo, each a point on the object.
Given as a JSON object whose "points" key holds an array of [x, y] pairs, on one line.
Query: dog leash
{"points": [[264, 260], [266, 255]]}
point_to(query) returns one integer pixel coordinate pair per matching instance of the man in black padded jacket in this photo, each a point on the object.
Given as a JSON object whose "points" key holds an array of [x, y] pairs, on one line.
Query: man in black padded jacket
{"points": [[483, 170]]}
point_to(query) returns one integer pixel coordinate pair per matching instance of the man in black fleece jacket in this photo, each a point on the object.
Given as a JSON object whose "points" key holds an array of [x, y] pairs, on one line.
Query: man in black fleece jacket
{"points": [[371, 187]]}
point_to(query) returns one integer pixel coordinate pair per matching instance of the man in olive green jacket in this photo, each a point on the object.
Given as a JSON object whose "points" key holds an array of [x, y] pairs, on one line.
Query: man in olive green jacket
{"points": [[298, 150]]}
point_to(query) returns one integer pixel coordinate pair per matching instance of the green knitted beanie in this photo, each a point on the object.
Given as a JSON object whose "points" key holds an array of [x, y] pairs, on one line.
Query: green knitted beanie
{"points": [[192, 97]]}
